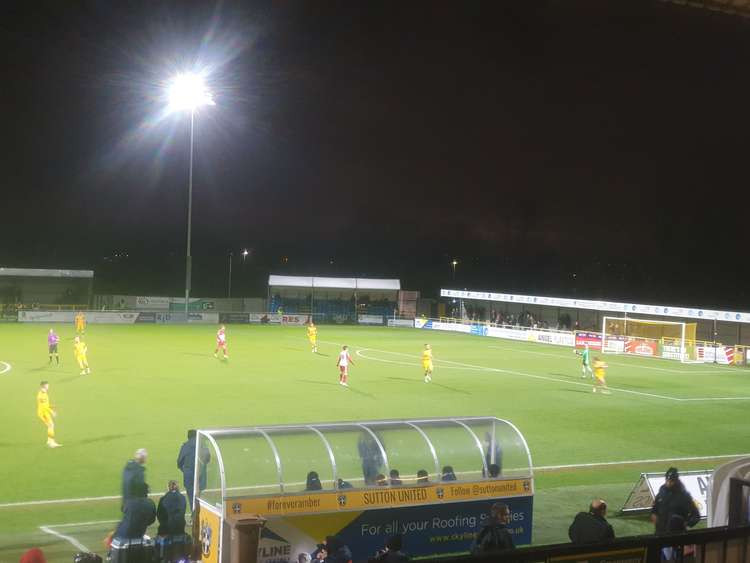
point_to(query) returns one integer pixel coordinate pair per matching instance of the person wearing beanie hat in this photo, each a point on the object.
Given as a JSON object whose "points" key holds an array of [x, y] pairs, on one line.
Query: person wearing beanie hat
{"points": [[673, 504]]}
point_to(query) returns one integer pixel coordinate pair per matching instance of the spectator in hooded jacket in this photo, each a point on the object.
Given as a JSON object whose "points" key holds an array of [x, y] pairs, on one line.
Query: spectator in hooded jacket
{"points": [[674, 508], [592, 526], [494, 535], [139, 513], [171, 511]]}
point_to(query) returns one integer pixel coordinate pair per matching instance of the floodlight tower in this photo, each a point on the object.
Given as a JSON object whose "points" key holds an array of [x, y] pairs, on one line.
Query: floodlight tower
{"points": [[187, 91]]}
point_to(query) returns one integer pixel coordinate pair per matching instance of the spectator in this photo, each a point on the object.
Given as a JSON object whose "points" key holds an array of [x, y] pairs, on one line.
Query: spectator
{"points": [[304, 558], [139, 514], [493, 470], [591, 526], [371, 457], [674, 508], [392, 552], [395, 478], [33, 555], [171, 511], [134, 476], [338, 551], [380, 480], [448, 474], [494, 535], [186, 464], [422, 477], [320, 553], [313, 482], [493, 453], [344, 484]]}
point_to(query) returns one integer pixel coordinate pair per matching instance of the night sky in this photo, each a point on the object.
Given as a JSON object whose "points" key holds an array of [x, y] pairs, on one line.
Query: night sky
{"points": [[592, 149]]}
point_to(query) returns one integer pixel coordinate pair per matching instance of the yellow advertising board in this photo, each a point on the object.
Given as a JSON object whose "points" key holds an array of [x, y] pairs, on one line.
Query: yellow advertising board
{"points": [[209, 536], [631, 555], [367, 499]]}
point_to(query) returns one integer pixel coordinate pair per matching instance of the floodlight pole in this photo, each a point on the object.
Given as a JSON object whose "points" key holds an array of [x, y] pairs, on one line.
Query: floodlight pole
{"points": [[188, 257]]}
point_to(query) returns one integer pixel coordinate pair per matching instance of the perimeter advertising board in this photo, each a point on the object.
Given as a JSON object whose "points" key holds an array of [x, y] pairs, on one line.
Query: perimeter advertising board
{"points": [[644, 492], [434, 519], [593, 339]]}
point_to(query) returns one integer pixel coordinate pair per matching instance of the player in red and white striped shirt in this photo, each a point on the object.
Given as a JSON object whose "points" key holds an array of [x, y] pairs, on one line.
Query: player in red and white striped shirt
{"points": [[343, 363], [221, 342]]}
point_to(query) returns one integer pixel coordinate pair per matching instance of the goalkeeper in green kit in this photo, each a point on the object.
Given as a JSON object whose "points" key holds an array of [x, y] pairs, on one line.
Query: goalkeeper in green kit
{"points": [[586, 361]]}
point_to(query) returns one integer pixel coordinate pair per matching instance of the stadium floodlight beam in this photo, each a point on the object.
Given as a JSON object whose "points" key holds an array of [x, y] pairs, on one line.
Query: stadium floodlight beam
{"points": [[187, 91]]}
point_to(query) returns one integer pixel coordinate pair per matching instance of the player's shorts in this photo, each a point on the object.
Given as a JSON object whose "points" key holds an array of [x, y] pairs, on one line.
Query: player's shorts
{"points": [[82, 359], [344, 370], [313, 340], [220, 344], [53, 348], [427, 366], [599, 376]]}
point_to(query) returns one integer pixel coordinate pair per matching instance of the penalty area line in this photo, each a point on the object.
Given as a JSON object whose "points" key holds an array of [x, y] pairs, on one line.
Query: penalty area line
{"points": [[637, 461]]}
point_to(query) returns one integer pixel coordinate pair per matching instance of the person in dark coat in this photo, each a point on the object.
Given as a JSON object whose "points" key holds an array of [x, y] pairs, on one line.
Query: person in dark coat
{"points": [[338, 551], [392, 552], [313, 482], [591, 526], [134, 477], [448, 474], [171, 511], [493, 453], [673, 503], [139, 514], [494, 535], [186, 464]]}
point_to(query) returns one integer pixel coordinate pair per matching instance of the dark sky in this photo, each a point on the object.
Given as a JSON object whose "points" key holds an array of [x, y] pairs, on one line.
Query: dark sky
{"points": [[558, 147]]}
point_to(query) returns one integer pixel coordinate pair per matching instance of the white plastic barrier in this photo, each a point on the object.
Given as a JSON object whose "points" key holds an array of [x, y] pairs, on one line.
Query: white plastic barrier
{"points": [[401, 322], [117, 317], [370, 319], [558, 338]]}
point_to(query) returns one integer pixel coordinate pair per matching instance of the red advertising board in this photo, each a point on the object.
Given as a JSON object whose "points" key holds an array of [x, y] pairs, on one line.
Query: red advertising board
{"points": [[593, 339], [641, 347]]}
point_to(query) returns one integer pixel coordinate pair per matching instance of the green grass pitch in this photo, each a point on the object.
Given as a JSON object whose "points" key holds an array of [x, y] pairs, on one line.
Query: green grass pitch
{"points": [[150, 383]]}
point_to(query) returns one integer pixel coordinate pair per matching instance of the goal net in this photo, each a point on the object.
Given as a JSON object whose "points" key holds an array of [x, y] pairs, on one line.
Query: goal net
{"points": [[648, 337]]}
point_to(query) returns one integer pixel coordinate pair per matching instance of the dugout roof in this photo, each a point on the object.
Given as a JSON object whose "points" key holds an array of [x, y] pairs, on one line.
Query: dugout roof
{"points": [[333, 283], [273, 460]]}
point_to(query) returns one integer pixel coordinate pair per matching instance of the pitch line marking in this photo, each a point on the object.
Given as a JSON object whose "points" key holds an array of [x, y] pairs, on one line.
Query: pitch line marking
{"points": [[538, 467], [74, 542], [683, 371], [522, 374], [72, 524], [5, 369], [546, 378]]}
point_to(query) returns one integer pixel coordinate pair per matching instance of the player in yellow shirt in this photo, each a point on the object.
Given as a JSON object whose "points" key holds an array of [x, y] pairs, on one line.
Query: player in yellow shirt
{"points": [[80, 322], [427, 363], [312, 336], [599, 376], [46, 414], [80, 350]]}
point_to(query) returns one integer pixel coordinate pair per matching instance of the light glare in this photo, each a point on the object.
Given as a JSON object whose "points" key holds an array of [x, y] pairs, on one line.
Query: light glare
{"points": [[187, 91]]}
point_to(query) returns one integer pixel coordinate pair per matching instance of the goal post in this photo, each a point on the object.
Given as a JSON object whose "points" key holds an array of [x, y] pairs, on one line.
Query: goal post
{"points": [[649, 337]]}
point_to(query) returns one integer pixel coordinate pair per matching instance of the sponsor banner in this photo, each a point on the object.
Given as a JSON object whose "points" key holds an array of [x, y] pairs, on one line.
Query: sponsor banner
{"points": [[177, 304], [671, 352], [593, 305], [641, 347], [370, 319], [366, 499], [234, 318], [719, 354], [295, 319], [629, 555], [557, 338], [153, 303], [642, 496], [146, 317], [401, 322], [92, 317], [422, 323], [209, 537], [478, 329], [454, 327], [428, 530], [593, 339]]}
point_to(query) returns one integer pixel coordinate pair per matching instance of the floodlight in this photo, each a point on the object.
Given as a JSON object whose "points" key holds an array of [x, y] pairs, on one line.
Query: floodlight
{"points": [[188, 91]]}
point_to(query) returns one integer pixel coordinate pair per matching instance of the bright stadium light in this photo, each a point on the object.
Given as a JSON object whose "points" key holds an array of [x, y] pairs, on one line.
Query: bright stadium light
{"points": [[187, 91]]}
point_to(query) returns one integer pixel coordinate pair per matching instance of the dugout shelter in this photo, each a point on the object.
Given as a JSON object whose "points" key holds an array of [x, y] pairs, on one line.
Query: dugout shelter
{"points": [[27, 288], [334, 300], [431, 480]]}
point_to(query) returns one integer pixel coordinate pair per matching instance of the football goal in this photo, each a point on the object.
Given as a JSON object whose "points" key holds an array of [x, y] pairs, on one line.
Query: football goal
{"points": [[649, 337]]}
